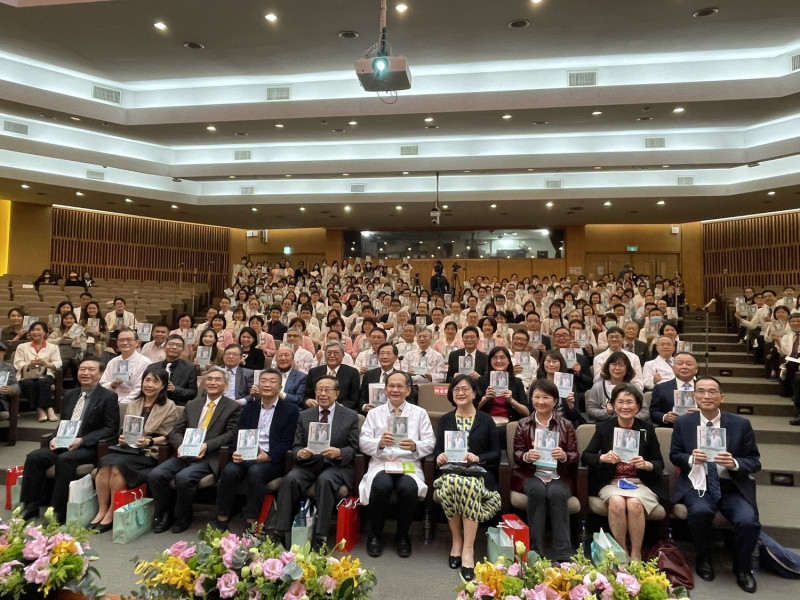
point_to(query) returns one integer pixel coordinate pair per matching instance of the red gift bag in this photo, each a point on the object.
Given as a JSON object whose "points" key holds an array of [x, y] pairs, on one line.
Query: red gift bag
{"points": [[517, 530], [123, 497], [348, 523], [11, 478], [265, 506]]}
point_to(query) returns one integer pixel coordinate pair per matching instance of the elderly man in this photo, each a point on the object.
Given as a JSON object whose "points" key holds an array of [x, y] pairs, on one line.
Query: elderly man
{"points": [[388, 364], [663, 401], [660, 368], [293, 381], [303, 359], [123, 374], [240, 380], [346, 376], [424, 364], [615, 336]]}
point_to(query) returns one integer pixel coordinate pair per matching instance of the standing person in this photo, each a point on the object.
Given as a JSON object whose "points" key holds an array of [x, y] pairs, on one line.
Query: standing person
{"points": [[727, 481], [36, 362], [182, 385]]}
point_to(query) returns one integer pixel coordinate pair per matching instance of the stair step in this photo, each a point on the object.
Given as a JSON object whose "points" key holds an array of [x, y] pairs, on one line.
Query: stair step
{"points": [[713, 338], [742, 385], [774, 430], [732, 369], [778, 465], [763, 406], [700, 346], [775, 507]]}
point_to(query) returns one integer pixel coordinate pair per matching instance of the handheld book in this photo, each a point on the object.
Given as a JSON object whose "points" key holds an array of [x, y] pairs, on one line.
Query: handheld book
{"points": [[455, 446], [319, 436], [626, 443], [203, 355], [76, 331], [132, 428], [683, 400], [192, 441], [524, 360], [499, 381], [377, 395], [563, 382], [67, 432], [466, 365], [121, 373], [544, 441], [145, 331], [398, 427], [247, 443], [569, 356], [711, 440]]}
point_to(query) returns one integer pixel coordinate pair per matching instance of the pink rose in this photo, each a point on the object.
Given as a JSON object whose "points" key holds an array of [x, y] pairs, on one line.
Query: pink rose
{"points": [[253, 594], [579, 592], [514, 570], [6, 568], [38, 571], [630, 583], [182, 550], [226, 584], [273, 568], [512, 598], [198, 586], [541, 592], [482, 590], [287, 557], [295, 591]]}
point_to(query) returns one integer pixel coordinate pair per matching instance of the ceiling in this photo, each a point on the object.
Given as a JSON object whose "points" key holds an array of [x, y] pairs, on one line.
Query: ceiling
{"points": [[736, 139]]}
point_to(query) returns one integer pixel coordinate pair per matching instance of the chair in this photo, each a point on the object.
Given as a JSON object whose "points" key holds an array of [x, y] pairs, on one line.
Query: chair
{"points": [[12, 416]]}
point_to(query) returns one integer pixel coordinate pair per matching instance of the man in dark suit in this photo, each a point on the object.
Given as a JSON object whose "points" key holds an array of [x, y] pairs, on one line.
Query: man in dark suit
{"points": [[182, 374], [274, 326], [276, 421], [727, 480], [533, 325], [632, 343], [98, 411], [219, 416], [347, 377], [327, 471], [582, 369], [387, 357], [663, 399], [469, 337], [293, 382], [240, 380], [11, 387]]}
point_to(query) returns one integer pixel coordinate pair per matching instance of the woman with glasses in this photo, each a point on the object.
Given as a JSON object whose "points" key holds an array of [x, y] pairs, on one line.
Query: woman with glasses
{"points": [[616, 371], [503, 405]]}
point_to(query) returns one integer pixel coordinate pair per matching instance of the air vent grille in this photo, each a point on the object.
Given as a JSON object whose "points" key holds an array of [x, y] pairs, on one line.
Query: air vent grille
{"points": [[553, 184], [582, 78], [14, 127], [409, 150], [795, 62], [655, 142], [686, 180], [242, 155], [106, 94], [279, 93], [357, 188], [247, 190], [95, 174]]}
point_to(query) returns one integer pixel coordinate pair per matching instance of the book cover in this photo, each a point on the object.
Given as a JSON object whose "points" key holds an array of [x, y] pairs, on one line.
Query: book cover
{"points": [[683, 400], [76, 331], [711, 440], [398, 427], [685, 347], [4, 378], [145, 331], [132, 429], [499, 381], [319, 436], [54, 321], [569, 356], [523, 359], [422, 367], [247, 443], [544, 441], [626, 443], [193, 439], [563, 382], [121, 373], [377, 395], [466, 365], [93, 325], [582, 337], [203, 355], [455, 446], [67, 432]]}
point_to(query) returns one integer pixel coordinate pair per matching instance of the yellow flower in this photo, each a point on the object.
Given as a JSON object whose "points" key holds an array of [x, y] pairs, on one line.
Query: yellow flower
{"points": [[61, 549], [171, 571], [490, 576], [562, 580], [346, 568], [309, 571]]}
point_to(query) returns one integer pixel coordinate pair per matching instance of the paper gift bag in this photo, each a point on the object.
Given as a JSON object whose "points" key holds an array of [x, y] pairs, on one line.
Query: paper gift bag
{"points": [[16, 492], [11, 478], [604, 541], [132, 520], [517, 530], [303, 525], [348, 523], [84, 511], [498, 544], [123, 497]]}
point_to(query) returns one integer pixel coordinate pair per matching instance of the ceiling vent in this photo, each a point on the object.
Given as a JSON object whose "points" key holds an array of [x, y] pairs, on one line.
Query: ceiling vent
{"points": [[357, 188], [409, 150], [95, 174], [242, 154], [274, 94], [247, 190], [582, 78], [796, 62], [106, 94], [685, 180], [553, 184], [14, 127], [655, 142]]}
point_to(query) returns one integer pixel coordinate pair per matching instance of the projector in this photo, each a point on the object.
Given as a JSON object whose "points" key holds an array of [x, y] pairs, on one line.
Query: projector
{"points": [[383, 73]]}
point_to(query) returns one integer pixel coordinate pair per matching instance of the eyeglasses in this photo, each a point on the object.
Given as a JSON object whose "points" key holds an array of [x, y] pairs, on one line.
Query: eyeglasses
{"points": [[702, 392], [173, 345], [625, 403], [461, 390]]}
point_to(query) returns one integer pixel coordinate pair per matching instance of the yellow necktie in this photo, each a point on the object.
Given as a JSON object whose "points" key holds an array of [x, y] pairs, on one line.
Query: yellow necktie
{"points": [[209, 414], [396, 411], [331, 373]]}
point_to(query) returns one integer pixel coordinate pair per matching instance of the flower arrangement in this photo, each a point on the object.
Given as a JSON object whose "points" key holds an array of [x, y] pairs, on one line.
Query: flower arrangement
{"points": [[40, 560], [224, 565], [539, 579]]}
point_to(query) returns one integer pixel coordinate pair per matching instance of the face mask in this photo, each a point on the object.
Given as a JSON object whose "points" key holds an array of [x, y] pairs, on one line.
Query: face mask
{"points": [[655, 319], [277, 297]]}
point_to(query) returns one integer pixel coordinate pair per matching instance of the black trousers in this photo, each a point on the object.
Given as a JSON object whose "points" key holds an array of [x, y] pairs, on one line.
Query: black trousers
{"points": [[258, 475], [187, 473], [37, 391], [66, 463], [383, 486]]}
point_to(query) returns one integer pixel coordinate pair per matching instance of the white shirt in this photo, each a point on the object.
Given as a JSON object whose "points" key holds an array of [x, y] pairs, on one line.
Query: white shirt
{"points": [[230, 391], [363, 359], [437, 367], [264, 425], [153, 352], [136, 366], [600, 360], [657, 365], [304, 360]]}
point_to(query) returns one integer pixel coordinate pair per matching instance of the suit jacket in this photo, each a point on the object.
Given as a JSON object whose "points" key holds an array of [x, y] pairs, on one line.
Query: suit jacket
{"points": [[244, 381], [481, 363], [482, 442], [276, 330], [12, 382], [281, 431], [100, 418], [662, 401], [295, 387], [371, 376], [523, 441], [221, 430], [348, 379], [741, 443], [640, 349], [344, 435], [184, 377]]}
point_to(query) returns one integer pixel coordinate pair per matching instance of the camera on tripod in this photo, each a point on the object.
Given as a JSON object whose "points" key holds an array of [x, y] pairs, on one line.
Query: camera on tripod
{"points": [[456, 267]]}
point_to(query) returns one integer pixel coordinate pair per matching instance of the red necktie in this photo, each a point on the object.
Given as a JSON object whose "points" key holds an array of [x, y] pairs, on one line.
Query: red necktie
{"points": [[324, 416]]}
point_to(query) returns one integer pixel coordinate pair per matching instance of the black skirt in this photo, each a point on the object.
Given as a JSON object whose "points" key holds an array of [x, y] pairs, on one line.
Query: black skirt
{"points": [[134, 467]]}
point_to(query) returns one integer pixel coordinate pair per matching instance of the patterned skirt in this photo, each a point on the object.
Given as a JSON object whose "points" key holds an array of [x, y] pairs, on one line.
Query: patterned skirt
{"points": [[466, 496]]}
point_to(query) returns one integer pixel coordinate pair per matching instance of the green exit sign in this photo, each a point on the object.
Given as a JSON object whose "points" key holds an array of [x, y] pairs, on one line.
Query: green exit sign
{"points": [[633, 248]]}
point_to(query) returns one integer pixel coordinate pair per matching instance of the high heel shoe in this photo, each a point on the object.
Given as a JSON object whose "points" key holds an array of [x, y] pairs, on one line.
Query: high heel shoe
{"points": [[468, 573], [454, 562]]}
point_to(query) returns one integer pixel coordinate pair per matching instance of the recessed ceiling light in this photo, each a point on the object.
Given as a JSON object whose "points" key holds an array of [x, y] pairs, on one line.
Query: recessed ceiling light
{"points": [[405, 172], [401, 8], [506, 117], [175, 206], [211, 128], [536, 1], [678, 110], [661, 203], [75, 118], [352, 123], [519, 23], [254, 209], [128, 201], [597, 113], [193, 45], [771, 193], [607, 203], [279, 125], [549, 205], [705, 12], [445, 206], [79, 193], [346, 208], [25, 186], [302, 209], [271, 17], [429, 119], [348, 35], [493, 205], [160, 25], [398, 207]]}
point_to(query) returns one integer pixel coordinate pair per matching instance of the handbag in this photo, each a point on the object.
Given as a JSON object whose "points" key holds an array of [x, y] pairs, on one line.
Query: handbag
{"points": [[468, 470], [269, 499], [33, 372], [132, 520], [348, 523], [11, 478], [517, 530], [126, 496], [603, 542], [498, 544], [672, 562]]}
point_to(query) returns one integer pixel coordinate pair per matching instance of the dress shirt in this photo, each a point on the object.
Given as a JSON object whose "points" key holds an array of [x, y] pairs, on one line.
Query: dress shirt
{"points": [[760, 318], [657, 365], [153, 352], [230, 391], [363, 359], [437, 366], [264, 425], [136, 366], [331, 410], [715, 422]]}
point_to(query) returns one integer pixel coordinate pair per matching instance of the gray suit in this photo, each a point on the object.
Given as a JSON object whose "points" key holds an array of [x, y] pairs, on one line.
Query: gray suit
{"points": [[326, 475]]}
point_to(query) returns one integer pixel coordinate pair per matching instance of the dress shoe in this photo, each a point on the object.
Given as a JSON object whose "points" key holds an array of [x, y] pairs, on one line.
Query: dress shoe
{"points": [[162, 523], [746, 581], [468, 573], [223, 526], [182, 525], [403, 546], [374, 548], [454, 562], [103, 527], [795, 420], [704, 568], [317, 543], [29, 511]]}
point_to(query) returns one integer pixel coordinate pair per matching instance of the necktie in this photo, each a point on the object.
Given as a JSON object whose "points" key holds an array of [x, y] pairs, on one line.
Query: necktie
{"points": [[670, 362], [331, 372], [386, 378], [687, 387], [796, 345], [78, 410], [423, 353], [436, 329], [629, 347], [396, 411], [324, 415], [712, 478], [209, 414]]}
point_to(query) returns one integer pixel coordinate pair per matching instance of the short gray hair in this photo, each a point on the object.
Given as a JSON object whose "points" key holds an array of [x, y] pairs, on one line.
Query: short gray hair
{"points": [[216, 369], [335, 343]]}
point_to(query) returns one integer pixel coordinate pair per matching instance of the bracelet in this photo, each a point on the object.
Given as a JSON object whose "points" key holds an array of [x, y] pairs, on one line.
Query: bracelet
{"points": [[152, 442]]}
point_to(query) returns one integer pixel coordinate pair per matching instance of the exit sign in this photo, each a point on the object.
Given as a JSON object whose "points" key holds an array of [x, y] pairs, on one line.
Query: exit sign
{"points": [[633, 248]]}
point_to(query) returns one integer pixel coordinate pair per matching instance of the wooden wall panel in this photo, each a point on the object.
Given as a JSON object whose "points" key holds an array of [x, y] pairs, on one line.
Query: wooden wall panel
{"points": [[123, 247]]}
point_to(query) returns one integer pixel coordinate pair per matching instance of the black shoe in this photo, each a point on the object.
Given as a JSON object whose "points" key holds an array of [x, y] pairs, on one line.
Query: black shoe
{"points": [[223, 526], [403, 546], [182, 525], [704, 568], [29, 511], [795, 420], [103, 527], [468, 573], [162, 523], [746, 581], [374, 548], [317, 543], [454, 562]]}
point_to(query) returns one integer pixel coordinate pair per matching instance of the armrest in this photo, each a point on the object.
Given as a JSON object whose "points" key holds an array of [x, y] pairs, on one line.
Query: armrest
{"points": [[45, 439], [583, 490], [13, 418], [429, 470], [504, 481], [360, 464], [164, 452], [224, 457], [102, 447]]}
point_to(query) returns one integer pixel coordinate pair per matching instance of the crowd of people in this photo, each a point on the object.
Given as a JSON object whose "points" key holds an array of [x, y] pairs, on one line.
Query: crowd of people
{"points": [[286, 348]]}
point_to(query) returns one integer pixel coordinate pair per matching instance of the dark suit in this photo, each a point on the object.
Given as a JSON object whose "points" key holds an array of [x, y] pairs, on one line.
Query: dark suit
{"points": [[244, 381], [183, 376], [640, 349], [371, 376], [188, 471], [276, 330], [326, 475], [663, 401], [481, 363], [258, 474], [348, 379], [738, 501], [12, 383], [295, 387], [100, 419]]}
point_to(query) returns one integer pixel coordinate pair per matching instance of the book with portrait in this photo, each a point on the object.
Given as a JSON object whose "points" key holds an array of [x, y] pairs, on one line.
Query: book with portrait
{"points": [[536, 339], [75, 331], [447, 350], [4, 378], [193, 439], [626, 443], [455, 446], [448, 299], [364, 344], [132, 428], [247, 443], [189, 338], [741, 305], [498, 380], [93, 325], [319, 436], [685, 347], [651, 330], [377, 394], [398, 427], [145, 331], [203, 355], [502, 330], [54, 321], [563, 382], [672, 313], [372, 361], [67, 432], [422, 323], [466, 365], [683, 401], [488, 344], [404, 348], [422, 367], [590, 321], [27, 321], [711, 440], [582, 337], [120, 373], [523, 359], [544, 441], [569, 356]]}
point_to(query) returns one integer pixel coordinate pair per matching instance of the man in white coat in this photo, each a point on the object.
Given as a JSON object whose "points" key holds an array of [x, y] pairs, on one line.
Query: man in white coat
{"points": [[381, 480]]}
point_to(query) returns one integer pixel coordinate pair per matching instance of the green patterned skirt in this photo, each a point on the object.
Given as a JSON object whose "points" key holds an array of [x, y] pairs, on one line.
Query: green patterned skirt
{"points": [[466, 496]]}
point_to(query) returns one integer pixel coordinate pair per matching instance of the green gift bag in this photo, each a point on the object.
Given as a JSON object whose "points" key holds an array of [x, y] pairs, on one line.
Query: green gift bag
{"points": [[132, 520], [303, 526], [498, 544], [84, 511]]}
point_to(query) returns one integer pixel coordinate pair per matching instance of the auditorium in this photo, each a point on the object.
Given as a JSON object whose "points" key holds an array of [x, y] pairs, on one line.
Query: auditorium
{"points": [[570, 215]]}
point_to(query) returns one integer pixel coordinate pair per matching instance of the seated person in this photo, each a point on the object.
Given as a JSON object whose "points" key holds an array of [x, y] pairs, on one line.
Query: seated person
{"points": [[119, 318], [480, 363], [11, 387], [615, 336], [293, 381], [663, 399], [510, 404], [790, 346], [660, 368], [182, 385], [36, 362], [123, 374], [155, 351]]}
